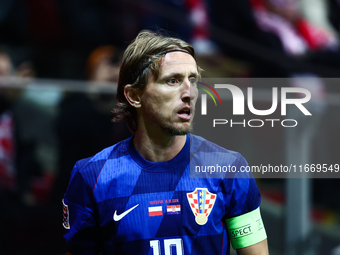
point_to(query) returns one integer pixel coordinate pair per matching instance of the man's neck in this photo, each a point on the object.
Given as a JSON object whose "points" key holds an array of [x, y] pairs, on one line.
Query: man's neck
{"points": [[158, 148]]}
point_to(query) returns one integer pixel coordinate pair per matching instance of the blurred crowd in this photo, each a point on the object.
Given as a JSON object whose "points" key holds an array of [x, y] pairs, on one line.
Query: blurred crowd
{"points": [[274, 37], [44, 132]]}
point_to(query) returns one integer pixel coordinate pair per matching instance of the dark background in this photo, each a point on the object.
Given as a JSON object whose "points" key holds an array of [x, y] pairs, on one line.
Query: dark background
{"points": [[56, 38]]}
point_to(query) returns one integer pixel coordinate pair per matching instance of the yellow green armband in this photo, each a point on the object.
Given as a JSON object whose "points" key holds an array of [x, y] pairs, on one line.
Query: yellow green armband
{"points": [[246, 229]]}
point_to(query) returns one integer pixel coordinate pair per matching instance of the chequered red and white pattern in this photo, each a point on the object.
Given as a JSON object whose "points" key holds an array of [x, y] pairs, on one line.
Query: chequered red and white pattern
{"points": [[208, 205]]}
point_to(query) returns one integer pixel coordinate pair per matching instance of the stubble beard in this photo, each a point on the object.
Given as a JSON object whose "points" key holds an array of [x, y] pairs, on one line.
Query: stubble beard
{"points": [[172, 129]]}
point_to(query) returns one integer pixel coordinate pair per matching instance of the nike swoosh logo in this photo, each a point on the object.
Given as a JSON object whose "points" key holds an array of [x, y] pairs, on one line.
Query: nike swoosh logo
{"points": [[120, 216]]}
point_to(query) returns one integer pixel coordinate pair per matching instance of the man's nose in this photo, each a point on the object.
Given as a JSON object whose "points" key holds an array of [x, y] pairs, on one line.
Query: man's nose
{"points": [[190, 91]]}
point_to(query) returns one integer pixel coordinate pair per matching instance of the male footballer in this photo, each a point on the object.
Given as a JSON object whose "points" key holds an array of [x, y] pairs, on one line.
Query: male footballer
{"points": [[137, 197]]}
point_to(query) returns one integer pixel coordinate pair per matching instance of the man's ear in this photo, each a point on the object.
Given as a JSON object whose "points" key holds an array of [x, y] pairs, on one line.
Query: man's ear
{"points": [[132, 96]]}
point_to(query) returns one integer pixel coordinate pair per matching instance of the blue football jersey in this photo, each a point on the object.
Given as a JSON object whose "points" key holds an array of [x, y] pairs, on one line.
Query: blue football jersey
{"points": [[119, 203]]}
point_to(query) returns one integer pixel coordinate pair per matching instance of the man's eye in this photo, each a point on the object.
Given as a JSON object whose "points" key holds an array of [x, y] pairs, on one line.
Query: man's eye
{"points": [[193, 80], [173, 81]]}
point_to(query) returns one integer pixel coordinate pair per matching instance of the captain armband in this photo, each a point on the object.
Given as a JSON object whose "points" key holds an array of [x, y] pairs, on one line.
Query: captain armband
{"points": [[246, 229]]}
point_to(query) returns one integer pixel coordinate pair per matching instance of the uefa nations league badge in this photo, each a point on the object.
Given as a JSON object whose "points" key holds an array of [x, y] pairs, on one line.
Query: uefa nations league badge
{"points": [[201, 202]]}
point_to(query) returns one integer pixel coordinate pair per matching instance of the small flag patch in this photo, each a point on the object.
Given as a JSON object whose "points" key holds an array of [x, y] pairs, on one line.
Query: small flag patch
{"points": [[155, 211], [173, 209]]}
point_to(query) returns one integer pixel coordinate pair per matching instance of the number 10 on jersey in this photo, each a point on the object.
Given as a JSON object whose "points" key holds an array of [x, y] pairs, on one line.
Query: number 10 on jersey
{"points": [[168, 245]]}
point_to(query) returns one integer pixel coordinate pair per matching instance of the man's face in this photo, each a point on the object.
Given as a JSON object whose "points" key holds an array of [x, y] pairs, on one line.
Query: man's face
{"points": [[168, 103]]}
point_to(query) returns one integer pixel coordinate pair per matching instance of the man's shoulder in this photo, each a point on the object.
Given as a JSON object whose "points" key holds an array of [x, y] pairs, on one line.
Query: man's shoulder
{"points": [[209, 160], [201, 145], [97, 161]]}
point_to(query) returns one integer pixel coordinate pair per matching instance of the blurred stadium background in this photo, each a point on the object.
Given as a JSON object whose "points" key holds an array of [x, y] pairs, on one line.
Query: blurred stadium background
{"points": [[58, 65]]}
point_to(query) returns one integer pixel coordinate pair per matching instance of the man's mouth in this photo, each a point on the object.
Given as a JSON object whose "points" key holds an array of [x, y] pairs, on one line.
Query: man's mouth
{"points": [[184, 113]]}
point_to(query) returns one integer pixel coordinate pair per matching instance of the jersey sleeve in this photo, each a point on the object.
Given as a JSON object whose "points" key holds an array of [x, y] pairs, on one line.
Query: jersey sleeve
{"points": [[245, 195], [81, 230], [243, 218]]}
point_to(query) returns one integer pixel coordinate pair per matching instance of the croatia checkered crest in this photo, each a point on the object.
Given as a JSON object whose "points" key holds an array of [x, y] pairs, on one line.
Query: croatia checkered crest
{"points": [[201, 202]]}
